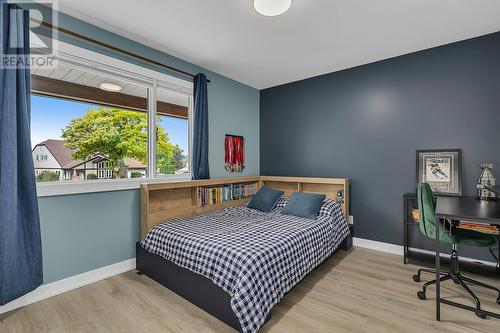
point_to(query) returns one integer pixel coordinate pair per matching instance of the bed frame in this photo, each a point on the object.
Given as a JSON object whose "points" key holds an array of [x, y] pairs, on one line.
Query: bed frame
{"points": [[165, 201]]}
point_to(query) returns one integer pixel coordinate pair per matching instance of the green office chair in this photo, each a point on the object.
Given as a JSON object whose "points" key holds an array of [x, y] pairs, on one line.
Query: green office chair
{"points": [[448, 233]]}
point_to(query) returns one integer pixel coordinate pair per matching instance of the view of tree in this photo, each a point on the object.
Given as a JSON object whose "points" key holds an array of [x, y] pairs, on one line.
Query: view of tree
{"points": [[117, 134], [169, 164], [178, 161]]}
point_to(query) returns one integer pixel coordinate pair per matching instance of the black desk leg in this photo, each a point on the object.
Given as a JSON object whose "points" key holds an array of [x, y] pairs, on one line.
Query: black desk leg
{"points": [[438, 269], [405, 231]]}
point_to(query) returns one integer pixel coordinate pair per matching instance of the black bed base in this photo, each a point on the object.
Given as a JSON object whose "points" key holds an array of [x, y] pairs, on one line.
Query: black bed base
{"points": [[195, 288]]}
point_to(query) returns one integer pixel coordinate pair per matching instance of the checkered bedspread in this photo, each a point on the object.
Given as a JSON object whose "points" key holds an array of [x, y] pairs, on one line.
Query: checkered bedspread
{"points": [[255, 257]]}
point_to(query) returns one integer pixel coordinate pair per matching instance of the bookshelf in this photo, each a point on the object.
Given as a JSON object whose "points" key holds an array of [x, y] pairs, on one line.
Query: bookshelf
{"points": [[213, 195]]}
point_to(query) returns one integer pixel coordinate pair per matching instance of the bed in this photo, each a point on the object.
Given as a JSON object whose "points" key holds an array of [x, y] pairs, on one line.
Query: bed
{"points": [[236, 262]]}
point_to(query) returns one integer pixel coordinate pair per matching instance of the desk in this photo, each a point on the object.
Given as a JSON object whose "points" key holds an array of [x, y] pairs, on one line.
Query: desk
{"points": [[462, 208], [412, 253]]}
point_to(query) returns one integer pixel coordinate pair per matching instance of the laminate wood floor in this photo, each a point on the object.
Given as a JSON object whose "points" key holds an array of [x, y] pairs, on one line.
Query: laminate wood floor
{"points": [[355, 291]]}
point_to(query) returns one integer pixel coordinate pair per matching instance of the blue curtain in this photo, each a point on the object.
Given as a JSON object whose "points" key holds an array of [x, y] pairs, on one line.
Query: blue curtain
{"points": [[20, 243], [200, 128]]}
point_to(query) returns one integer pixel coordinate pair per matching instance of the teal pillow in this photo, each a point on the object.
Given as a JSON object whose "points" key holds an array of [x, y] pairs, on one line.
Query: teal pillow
{"points": [[265, 199], [306, 205]]}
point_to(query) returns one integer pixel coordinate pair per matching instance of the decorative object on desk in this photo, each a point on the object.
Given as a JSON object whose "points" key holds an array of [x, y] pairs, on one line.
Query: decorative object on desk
{"points": [[234, 158], [486, 183], [441, 169]]}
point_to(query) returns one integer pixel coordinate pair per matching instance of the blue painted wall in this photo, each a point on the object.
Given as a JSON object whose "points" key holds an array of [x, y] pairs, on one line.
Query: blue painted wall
{"points": [[366, 123], [87, 231]]}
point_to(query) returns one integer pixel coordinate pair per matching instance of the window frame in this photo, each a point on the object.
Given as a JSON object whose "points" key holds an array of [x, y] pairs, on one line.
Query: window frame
{"points": [[98, 63]]}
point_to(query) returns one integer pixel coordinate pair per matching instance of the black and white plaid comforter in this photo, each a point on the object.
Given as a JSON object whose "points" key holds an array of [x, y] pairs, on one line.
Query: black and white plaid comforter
{"points": [[255, 257]]}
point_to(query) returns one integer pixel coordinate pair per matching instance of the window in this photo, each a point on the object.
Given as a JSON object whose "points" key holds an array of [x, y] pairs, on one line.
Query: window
{"points": [[91, 131], [93, 122], [103, 170], [172, 144]]}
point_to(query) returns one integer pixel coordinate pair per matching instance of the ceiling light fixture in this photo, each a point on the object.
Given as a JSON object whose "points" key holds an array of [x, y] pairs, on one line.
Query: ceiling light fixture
{"points": [[271, 7], [110, 87]]}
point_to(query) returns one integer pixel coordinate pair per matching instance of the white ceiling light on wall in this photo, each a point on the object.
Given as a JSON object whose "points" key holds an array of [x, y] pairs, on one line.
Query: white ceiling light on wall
{"points": [[110, 87], [271, 7]]}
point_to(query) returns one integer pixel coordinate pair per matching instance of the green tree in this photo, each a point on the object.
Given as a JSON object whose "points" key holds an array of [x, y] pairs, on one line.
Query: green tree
{"points": [[168, 164], [177, 162], [115, 133]]}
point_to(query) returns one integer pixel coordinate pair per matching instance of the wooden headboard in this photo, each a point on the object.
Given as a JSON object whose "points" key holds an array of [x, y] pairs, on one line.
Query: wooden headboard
{"points": [[166, 201]]}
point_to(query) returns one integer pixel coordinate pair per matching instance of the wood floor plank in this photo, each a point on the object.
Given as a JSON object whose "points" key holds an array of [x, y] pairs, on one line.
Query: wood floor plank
{"points": [[356, 291]]}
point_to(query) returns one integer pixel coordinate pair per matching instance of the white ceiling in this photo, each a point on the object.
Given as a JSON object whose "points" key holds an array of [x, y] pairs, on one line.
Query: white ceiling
{"points": [[314, 37]]}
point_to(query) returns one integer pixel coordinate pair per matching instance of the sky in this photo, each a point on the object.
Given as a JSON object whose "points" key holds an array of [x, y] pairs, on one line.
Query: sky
{"points": [[50, 115]]}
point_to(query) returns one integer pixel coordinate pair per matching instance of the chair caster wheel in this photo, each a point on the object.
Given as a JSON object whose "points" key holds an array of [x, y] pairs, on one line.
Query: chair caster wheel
{"points": [[421, 295], [416, 278], [480, 314]]}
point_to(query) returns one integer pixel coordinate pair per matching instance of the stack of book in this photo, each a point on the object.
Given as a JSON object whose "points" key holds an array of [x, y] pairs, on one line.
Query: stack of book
{"points": [[214, 195], [484, 228]]}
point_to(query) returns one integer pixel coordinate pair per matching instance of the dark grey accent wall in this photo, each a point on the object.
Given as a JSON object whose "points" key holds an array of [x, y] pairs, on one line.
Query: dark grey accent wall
{"points": [[366, 123]]}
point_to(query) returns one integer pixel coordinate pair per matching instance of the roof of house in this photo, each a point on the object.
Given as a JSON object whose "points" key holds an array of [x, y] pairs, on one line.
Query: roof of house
{"points": [[63, 155], [132, 163], [59, 151]]}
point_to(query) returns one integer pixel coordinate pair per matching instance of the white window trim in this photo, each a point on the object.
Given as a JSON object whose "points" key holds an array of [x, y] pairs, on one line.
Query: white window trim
{"points": [[102, 64], [104, 185]]}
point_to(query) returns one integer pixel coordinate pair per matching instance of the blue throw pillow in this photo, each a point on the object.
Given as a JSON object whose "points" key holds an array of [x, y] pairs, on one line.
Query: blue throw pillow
{"points": [[306, 205], [265, 199]]}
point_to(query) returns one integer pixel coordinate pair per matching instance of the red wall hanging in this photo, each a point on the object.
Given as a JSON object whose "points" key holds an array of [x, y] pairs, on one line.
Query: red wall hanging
{"points": [[234, 158]]}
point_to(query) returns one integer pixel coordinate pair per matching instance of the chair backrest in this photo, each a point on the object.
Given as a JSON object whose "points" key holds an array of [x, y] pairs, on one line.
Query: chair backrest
{"points": [[427, 210]]}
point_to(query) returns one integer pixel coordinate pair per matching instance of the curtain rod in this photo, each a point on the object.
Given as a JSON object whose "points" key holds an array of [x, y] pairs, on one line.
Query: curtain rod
{"points": [[111, 47]]}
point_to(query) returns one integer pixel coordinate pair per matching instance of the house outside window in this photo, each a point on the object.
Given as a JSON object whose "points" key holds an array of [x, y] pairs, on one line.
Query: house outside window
{"points": [[82, 132]]}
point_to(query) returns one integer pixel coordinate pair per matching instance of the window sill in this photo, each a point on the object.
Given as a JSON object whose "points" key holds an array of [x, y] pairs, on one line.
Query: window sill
{"points": [[55, 188]]}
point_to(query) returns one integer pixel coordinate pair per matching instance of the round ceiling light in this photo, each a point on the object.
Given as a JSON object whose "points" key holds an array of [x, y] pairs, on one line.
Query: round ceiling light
{"points": [[271, 7], [110, 87]]}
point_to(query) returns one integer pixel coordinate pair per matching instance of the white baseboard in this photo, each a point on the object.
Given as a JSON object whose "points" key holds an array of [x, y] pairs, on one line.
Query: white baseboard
{"points": [[377, 246], [73, 282], [398, 249]]}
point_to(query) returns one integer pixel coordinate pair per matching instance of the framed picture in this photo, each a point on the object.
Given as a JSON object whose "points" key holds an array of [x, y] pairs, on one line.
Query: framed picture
{"points": [[441, 169]]}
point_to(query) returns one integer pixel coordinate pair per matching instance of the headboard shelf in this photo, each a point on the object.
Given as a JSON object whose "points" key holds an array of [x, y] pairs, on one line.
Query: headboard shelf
{"points": [[165, 201], [328, 186]]}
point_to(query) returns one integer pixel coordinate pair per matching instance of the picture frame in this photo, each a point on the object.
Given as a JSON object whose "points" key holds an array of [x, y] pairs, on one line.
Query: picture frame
{"points": [[441, 169]]}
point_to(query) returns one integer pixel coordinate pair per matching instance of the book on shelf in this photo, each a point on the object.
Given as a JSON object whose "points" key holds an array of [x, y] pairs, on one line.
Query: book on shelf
{"points": [[213, 195]]}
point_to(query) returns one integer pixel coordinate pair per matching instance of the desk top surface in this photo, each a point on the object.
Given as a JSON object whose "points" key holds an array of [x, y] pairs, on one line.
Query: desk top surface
{"points": [[469, 208]]}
